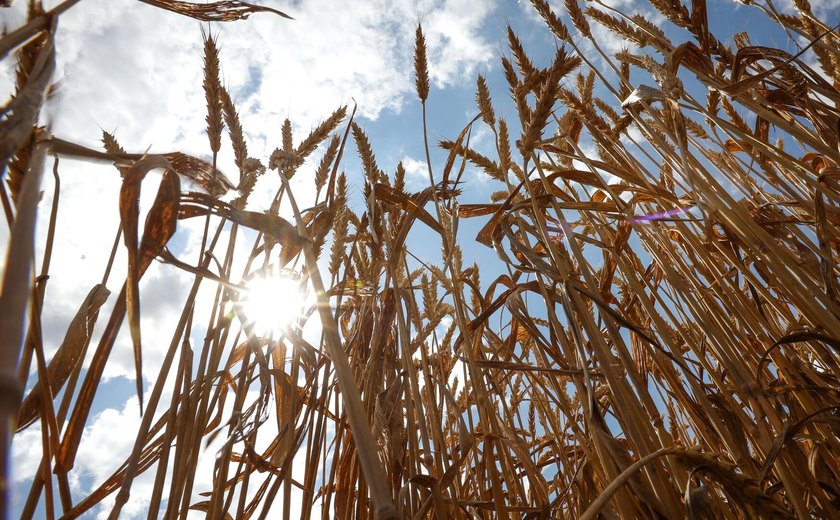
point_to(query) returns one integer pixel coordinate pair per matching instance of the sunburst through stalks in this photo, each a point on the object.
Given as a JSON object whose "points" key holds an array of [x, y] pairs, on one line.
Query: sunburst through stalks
{"points": [[271, 301]]}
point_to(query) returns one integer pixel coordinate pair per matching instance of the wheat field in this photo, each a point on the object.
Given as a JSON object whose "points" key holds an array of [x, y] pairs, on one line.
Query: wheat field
{"points": [[662, 341]]}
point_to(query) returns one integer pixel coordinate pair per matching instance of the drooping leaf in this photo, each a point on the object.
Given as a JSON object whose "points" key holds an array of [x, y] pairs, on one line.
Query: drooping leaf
{"points": [[389, 195], [201, 172], [137, 263], [278, 228], [69, 354], [222, 11]]}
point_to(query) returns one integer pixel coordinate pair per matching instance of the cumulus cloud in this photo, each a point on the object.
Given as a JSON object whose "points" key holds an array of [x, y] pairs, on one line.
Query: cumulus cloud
{"points": [[26, 453], [114, 74], [417, 172]]}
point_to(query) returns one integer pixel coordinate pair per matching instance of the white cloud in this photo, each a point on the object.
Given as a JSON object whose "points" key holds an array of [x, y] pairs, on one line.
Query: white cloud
{"points": [[416, 171], [130, 67], [26, 453], [101, 452], [106, 444]]}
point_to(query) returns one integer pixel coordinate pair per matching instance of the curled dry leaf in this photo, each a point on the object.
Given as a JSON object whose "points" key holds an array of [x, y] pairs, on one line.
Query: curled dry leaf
{"points": [[643, 93], [278, 228], [407, 203], [69, 354], [223, 11], [213, 180], [160, 226], [208, 177]]}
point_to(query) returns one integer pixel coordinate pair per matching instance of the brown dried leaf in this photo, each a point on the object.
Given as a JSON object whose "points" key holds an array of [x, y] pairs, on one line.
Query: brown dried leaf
{"points": [[213, 180], [387, 194], [129, 215], [204, 507], [199, 204], [69, 354], [222, 11]]}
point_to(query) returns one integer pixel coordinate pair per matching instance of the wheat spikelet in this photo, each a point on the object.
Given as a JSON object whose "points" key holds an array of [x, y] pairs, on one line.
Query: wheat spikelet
{"points": [[657, 70], [618, 26], [826, 57], [340, 226], [285, 159], [542, 111], [598, 127], [251, 170], [317, 136], [557, 27], [651, 30], [109, 142], [562, 66], [607, 110], [371, 169], [578, 19], [421, 67], [585, 85], [26, 57], [695, 128], [489, 166], [503, 146], [399, 178], [674, 11], [326, 161], [517, 92], [526, 66], [111, 145], [803, 7], [212, 90], [286, 133], [231, 117], [733, 114], [482, 99]]}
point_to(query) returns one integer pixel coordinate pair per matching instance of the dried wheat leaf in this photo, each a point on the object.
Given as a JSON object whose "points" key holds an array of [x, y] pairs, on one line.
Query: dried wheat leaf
{"points": [[213, 180], [643, 93], [221, 11], [129, 215], [198, 204], [387, 194], [69, 354]]}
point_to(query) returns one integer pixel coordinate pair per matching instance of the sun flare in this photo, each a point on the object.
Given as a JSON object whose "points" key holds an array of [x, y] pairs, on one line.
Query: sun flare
{"points": [[272, 301]]}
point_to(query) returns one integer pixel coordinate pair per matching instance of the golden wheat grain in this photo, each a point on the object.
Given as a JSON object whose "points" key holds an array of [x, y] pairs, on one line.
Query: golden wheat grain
{"points": [[421, 66], [231, 117], [212, 93]]}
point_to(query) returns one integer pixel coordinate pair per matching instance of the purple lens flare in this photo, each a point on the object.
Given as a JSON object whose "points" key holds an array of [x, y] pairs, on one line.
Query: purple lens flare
{"points": [[660, 215]]}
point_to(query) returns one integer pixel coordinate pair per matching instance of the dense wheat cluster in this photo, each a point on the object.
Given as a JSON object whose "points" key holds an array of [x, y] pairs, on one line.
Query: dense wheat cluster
{"points": [[663, 344]]}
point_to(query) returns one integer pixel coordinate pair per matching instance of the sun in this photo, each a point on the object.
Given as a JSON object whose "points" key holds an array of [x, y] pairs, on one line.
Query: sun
{"points": [[271, 301]]}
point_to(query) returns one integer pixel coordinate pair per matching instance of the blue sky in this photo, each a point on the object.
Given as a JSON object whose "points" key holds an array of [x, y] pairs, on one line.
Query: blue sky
{"points": [[133, 70]]}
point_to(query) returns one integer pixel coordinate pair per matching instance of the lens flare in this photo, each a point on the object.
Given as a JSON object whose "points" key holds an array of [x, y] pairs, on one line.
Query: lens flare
{"points": [[271, 302]]}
